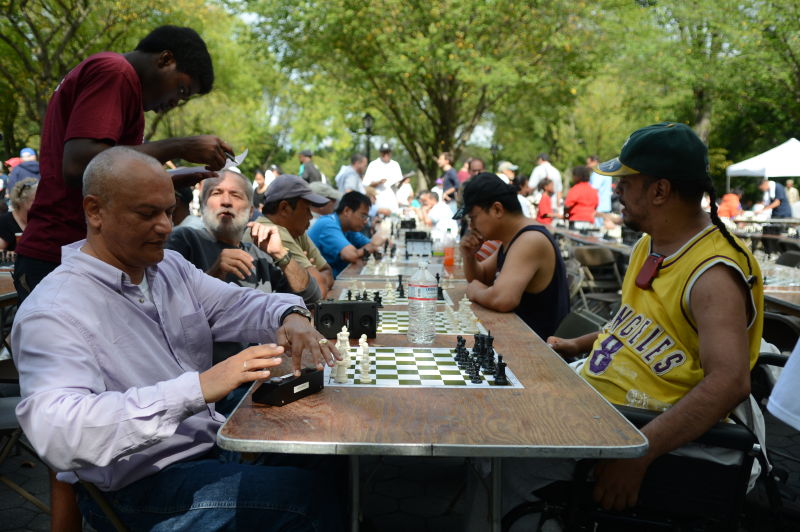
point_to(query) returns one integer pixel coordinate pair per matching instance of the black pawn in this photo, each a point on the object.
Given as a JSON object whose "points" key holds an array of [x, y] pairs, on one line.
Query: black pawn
{"points": [[401, 292], [349, 295], [476, 373], [400, 282], [439, 293], [378, 299], [365, 295], [500, 378]]}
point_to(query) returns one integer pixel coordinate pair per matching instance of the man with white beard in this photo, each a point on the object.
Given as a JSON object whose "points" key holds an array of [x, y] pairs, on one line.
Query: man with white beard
{"points": [[218, 250]]}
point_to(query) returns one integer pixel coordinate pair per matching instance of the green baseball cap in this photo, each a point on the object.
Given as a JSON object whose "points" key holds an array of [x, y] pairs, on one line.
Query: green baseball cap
{"points": [[667, 150]]}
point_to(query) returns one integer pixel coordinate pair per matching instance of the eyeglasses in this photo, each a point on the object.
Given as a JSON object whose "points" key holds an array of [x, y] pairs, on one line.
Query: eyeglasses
{"points": [[364, 217]]}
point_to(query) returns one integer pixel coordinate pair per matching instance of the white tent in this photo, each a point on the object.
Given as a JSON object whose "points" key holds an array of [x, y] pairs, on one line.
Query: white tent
{"points": [[780, 161]]}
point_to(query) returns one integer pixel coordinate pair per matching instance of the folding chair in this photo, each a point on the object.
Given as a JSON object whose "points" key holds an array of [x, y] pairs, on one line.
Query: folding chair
{"points": [[10, 429], [678, 492]]}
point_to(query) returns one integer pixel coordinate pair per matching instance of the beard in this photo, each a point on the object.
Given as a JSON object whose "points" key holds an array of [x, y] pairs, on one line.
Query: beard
{"points": [[229, 229]]}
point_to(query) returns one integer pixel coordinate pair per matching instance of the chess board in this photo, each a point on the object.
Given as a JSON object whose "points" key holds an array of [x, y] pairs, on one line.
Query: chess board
{"points": [[413, 367], [396, 322], [398, 300], [393, 270]]}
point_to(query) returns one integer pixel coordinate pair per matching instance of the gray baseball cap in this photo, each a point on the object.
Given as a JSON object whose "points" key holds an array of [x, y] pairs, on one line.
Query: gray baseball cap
{"points": [[324, 189], [289, 186]]}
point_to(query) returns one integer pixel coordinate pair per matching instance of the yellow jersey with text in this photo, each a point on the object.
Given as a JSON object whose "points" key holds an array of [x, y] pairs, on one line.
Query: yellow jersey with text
{"points": [[651, 345]]}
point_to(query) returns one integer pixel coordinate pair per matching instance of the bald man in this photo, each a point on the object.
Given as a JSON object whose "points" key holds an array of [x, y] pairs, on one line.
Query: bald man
{"points": [[114, 354]]}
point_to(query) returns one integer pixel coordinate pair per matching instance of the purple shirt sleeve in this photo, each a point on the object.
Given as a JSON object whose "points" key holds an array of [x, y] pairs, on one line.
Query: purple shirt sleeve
{"points": [[110, 377]]}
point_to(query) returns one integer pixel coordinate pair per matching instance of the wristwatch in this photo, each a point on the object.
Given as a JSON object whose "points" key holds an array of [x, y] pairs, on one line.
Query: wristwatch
{"points": [[295, 309], [283, 261]]}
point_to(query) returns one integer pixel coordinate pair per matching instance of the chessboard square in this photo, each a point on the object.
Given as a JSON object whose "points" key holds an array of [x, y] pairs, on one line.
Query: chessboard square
{"points": [[386, 367], [384, 359], [406, 363], [422, 350], [434, 371], [427, 359], [409, 383], [406, 372], [382, 349], [459, 382], [450, 372], [429, 376], [405, 358], [447, 364], [388, 376]]}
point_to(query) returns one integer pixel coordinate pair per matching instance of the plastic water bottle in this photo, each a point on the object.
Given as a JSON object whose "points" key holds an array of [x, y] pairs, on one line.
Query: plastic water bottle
{"points": [[422, 306], [449, 249]]}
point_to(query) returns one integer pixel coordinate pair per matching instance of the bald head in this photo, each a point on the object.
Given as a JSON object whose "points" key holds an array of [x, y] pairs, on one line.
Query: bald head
{"points": [[113, 169]]}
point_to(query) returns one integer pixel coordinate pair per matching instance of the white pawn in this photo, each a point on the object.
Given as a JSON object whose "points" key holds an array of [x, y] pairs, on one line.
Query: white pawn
{"points": [[364, 377], [340, 372]]}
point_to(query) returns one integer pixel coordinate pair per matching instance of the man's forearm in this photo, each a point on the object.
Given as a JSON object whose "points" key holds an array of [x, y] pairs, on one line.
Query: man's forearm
{"points": [[321, 279], [163, 150], [296, 275], [705, 405], [473, 270]]}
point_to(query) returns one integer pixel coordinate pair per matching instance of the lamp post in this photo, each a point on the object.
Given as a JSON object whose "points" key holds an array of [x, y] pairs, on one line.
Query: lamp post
{"points": [[495, 148], [369, 121]]}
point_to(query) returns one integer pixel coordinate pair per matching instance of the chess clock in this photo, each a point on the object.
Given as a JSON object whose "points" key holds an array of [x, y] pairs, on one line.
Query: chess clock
{"points": [[422, 247]]}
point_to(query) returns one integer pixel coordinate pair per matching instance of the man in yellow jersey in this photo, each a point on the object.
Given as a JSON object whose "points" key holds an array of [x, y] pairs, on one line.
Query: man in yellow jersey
{"points": [[689, 327]]}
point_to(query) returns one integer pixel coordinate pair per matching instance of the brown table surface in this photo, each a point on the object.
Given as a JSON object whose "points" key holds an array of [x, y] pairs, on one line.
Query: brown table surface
{"points": [[590, 240], [784, 300], [557, 414]]}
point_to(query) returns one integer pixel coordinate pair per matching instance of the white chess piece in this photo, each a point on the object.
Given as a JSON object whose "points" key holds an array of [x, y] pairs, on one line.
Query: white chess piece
{"points": [[364, 377]]}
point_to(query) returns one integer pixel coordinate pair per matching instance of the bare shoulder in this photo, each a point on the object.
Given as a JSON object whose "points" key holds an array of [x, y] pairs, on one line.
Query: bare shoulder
{"points": [[530, 243]]}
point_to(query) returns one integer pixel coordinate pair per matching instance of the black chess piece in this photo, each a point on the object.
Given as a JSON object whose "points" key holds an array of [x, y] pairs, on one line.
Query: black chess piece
{"points": [[385, 247], [489, 341], [393, 250], [400, 282], [460, 341], [378, 299], [476, 373], [349, 295], [500, 377], [365, 295], [401, 292], [437, 278], [439, 293]]}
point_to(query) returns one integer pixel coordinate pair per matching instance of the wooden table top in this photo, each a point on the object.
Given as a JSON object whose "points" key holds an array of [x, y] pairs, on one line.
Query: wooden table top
{"points": [[591, 240], [8, 294], [783, 299], [557, 414]]}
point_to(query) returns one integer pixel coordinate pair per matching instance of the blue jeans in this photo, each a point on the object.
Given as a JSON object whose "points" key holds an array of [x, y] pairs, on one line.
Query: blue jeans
{"points": [[219, 492]]}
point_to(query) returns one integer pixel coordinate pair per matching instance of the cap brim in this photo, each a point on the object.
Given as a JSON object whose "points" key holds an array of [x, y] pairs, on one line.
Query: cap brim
{"points": [[614, 167], [315, 199]]}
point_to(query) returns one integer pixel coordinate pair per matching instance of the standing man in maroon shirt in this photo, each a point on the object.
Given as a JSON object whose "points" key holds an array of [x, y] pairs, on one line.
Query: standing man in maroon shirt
{"points": [[100, 104]]}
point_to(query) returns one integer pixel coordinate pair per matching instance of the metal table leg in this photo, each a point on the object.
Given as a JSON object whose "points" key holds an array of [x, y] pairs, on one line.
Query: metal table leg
{"points": [[497, 494], [355, 500]]}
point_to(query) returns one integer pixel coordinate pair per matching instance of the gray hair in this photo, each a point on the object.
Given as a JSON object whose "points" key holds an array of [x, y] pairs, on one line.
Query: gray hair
{"points": [[23, 192], [210, 183], [102, 172]]}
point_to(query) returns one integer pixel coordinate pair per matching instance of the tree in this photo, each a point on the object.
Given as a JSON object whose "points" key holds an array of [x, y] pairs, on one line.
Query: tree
{"points": [[41, 40], [432, 70]]}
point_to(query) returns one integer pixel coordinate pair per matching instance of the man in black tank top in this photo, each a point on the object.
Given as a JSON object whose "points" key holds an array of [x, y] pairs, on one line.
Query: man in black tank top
{"points": [[527, 274]]}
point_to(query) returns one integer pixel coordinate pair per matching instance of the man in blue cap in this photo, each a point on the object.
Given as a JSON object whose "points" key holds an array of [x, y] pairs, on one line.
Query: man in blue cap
{"points": [[29, 167]]}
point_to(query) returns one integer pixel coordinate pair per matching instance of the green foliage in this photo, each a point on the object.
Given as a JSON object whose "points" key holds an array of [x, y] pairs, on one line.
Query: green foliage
{"points": [[430, 71]]}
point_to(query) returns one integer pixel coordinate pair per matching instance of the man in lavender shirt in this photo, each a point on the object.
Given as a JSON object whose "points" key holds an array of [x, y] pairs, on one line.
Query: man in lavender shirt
{"points": [[114, 354]]}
